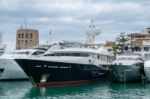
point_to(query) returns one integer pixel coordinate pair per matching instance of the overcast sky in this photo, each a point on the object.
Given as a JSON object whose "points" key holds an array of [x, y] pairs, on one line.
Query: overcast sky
{"points": [[68, 19]]}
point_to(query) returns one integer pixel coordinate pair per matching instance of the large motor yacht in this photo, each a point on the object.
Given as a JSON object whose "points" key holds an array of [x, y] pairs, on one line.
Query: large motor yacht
{"points": [[127, 68], [66, 66]]}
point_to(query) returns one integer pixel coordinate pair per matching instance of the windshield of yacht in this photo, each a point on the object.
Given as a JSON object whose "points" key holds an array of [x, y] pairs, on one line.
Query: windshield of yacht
{"points": [[43, 47]]}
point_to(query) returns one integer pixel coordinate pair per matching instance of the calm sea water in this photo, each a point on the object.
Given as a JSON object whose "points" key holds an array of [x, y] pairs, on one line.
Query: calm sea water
{"points": [[103, 90]]}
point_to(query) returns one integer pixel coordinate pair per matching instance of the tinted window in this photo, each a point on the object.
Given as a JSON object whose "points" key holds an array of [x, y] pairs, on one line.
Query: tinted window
{"points": [[37, 53]]}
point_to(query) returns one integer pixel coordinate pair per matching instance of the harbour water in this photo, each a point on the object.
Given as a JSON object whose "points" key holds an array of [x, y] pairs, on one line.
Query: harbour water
{"points": [[99, 90]]}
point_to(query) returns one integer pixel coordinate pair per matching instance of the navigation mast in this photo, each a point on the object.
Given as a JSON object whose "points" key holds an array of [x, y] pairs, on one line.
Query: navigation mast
{"points": [[91, 33]]}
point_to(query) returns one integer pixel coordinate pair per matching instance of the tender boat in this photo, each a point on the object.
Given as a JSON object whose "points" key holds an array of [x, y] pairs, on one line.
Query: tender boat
{"points": [[127, 68], [67, 66]]}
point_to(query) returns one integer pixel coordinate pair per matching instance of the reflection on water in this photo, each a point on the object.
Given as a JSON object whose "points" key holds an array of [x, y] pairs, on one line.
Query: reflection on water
{"points": [[79, 91], [13, 89], [130, 90], [103, 90]]}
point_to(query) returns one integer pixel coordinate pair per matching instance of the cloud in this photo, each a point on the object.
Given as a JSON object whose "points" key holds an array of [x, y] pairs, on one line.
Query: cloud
{"points": [[68, 19]]}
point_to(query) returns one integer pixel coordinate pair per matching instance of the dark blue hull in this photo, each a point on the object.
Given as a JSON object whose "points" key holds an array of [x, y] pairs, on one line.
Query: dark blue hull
{"points": [[48, 73]]}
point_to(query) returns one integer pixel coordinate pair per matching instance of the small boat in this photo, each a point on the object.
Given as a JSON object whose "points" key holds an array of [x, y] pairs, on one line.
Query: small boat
{"points": [[66, 66], [127, 68]]}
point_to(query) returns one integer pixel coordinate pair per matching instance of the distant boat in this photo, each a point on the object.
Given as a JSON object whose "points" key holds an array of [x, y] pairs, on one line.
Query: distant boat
{"points": [[66, 66], [127, 68]]}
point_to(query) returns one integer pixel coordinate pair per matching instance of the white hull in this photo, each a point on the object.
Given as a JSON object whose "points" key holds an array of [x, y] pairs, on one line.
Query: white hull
{"points": [[147, 73], [12, 70]]}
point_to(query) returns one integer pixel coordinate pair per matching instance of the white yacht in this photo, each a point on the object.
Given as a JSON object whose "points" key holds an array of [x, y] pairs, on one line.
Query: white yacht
{"points": [[127, 68], [12, 71], [66, 66], [141, 42]]}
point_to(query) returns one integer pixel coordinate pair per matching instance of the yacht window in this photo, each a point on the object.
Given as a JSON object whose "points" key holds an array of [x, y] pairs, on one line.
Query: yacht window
{"points": [[94, 55], [129, 58], [42, 47], [51, 54], [37, 53], [26, 52], [139, 49], [71, 54], [125, 58], [146, 48], [103, 57], [138, 59]]}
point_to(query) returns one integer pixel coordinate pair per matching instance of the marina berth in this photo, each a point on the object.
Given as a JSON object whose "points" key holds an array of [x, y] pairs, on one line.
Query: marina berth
{"points": [[12, 71], [127, 68], [66, 66]]}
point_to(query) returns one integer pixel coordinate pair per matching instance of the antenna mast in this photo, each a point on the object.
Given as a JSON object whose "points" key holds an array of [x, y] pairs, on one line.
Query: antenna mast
{"points": [[49, 41], [1, 36], [91, 33], [50, 36], [25, 23]]}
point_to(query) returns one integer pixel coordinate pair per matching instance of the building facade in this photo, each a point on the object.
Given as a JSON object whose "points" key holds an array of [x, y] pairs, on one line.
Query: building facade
{"points": [[27, 38], [142, 41]]}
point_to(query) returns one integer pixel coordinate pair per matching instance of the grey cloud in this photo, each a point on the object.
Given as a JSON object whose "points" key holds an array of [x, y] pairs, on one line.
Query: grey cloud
{"points": [[69, 18]]}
